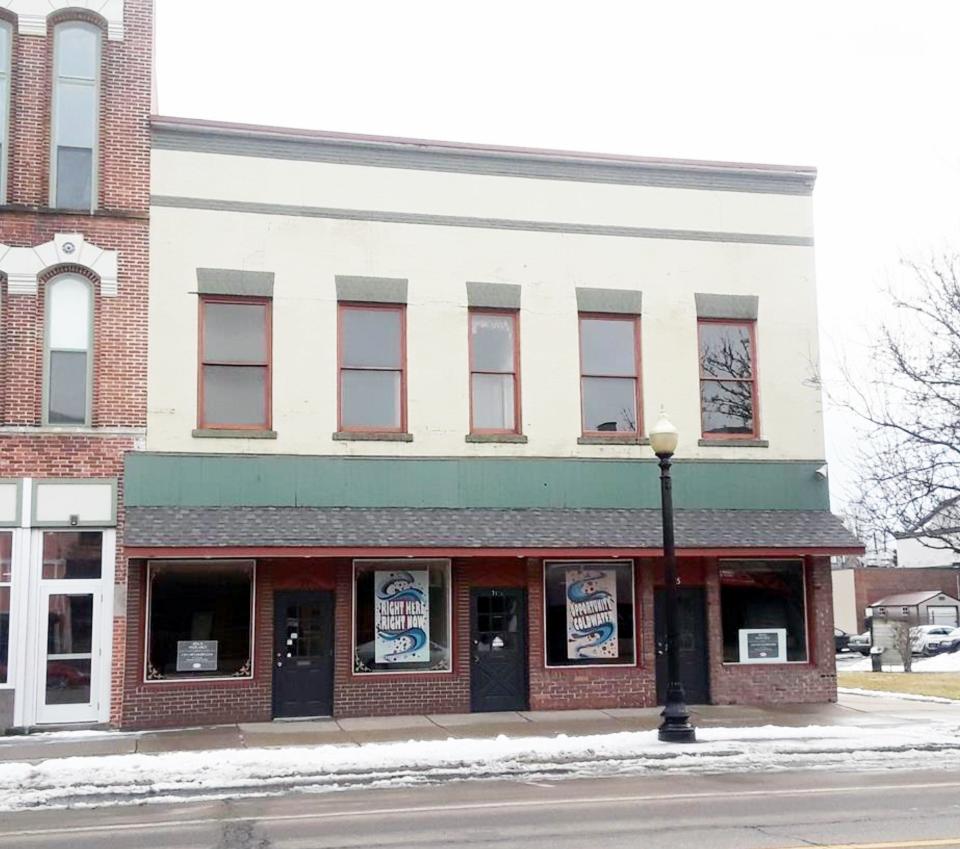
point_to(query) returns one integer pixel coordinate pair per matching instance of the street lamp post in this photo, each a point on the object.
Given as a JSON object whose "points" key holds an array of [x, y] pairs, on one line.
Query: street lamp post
{"points": [[676, 727]]}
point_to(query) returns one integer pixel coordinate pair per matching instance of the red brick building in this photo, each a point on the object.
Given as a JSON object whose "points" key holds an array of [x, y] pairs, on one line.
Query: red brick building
{"points": [[75, 95]]}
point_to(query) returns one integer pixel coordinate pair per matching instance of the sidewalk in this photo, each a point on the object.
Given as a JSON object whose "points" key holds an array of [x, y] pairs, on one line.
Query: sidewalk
{"points": [[851, 711]]}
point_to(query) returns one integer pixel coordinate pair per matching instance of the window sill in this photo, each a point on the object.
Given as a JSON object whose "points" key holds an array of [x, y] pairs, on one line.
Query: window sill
{"points": [[613, 440], [225, 433], [734, 443], [516, 438], [371, 436]]}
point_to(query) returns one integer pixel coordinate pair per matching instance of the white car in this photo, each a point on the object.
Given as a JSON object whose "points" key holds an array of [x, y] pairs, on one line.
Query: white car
{"points": [[942, 643], [924, 637]]}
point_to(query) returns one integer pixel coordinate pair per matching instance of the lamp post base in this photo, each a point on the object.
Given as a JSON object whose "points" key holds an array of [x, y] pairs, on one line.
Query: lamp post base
{"points": [[676, 727]]}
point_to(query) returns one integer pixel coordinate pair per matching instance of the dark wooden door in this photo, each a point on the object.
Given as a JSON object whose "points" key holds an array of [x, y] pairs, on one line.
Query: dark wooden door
{"points": [[498, 649], [303, 653], [693, 644]]}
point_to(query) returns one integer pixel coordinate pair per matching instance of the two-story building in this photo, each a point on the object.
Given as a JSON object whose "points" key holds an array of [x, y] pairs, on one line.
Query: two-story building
{"points": [[398, 393], [75, 95]]}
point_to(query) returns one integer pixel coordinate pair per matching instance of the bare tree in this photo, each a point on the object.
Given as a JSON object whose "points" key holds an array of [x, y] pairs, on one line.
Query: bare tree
{"points": [[903, 643], [910, 478]]}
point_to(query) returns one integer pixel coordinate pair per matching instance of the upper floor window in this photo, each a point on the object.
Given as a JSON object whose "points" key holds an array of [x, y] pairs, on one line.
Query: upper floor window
{"points": [[372, 367], [494, 372], [235, 359], [728, 379], [76, 75], [69, 364], [610, 374], [6, 43]]}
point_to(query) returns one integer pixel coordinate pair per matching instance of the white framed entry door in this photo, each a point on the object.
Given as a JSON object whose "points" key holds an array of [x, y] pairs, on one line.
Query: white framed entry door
{"points": [[68, 685]]}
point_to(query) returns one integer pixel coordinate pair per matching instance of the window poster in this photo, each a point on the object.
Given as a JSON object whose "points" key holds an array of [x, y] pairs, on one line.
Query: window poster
{"points": [[592, 614], [402, 616]]}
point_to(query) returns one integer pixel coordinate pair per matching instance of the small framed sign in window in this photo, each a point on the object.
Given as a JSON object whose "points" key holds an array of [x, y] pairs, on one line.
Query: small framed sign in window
{"points": [[763, 645]]}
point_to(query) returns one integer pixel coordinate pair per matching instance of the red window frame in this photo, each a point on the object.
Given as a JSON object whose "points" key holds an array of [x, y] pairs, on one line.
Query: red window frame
{"points": [[637, 375], [401, 309], [514, 316], [751, 326], [268, 364]]}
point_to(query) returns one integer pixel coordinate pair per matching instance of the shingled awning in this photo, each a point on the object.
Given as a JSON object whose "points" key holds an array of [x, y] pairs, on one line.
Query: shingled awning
{"points": [[523, 530]]}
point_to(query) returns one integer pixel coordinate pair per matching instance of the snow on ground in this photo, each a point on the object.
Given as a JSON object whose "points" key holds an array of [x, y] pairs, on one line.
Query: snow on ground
{"points": [[890, 694], [128, 779], [946, 662]]}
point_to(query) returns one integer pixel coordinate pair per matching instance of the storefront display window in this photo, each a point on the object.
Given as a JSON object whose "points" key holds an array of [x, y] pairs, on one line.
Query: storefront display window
{"points": [[589, 614], [764, 611], [200, 620], [402, 616], [6, 553]]}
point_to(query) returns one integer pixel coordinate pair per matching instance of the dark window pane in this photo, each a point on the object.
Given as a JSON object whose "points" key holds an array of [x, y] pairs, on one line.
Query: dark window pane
{"points": [[70, 624], [234, 395], [6, 553], [370, 399], [74, 178], [727, 406], [76, 115], [589, 614], [607, 347], [493, 407], [725, 350], [67, 399], [5, 31], [4, 632], [371, 338], [609, 404], [77, 51], [763, 594], [68, 682], [387, 626], [491, 342], [306, 631], [234, 332], [208, 602], [72, 554]]}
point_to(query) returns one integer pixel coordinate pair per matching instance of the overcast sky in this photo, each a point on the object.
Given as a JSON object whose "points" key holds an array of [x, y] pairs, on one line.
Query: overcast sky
{"points": [[865, 91]]}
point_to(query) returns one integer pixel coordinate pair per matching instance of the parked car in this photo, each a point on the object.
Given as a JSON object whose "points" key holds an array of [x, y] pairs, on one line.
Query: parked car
{"points": [[937, 644], [860, 643], [926, 638], [841, 639]]}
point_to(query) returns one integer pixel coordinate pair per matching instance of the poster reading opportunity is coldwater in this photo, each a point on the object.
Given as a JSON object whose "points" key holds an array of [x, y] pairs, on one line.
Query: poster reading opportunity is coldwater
{"points": [[592, 614], [402, 616]]}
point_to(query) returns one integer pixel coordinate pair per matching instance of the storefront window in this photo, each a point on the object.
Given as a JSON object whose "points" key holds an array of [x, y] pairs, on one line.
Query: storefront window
{"points": [[764, 611], [402, 616], [589, 614], [72, 555], [6, 551], [200, 617]]}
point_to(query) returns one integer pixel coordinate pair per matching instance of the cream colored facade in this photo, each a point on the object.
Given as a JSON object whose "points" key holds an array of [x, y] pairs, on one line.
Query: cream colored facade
{"points": [[307, 221]]}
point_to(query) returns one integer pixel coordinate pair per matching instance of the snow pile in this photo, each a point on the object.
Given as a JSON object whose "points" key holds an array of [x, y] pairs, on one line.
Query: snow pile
{"points": [[889, 694], [123, 779]]}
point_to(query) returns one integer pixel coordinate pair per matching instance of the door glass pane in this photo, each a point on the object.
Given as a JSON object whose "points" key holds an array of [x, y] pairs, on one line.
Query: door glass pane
{"points": [[305, 632], [725, 350], [76, 113], [610, 404], [493, 402], [68, 681], [607, 347], [74, 177], [370, 399], [370, 338], [235, 333], [67, 402], [4, 632], [234, 395], [6, 551], [72, 555], [727, 406], [491, 342], [77, 51], [70, 624]]}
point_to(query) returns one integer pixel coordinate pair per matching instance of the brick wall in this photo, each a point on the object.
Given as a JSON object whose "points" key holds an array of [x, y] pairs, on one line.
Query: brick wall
{"points": [[874, 583], [815, 681]]}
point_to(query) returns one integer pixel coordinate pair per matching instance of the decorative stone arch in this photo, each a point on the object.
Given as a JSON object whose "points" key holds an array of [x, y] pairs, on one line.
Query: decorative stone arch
{"points": [[25, 266], [33, 15]]}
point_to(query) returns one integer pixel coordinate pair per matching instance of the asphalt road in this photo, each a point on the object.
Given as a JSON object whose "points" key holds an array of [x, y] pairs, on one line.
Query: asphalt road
{"points": [[878, 810]]}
